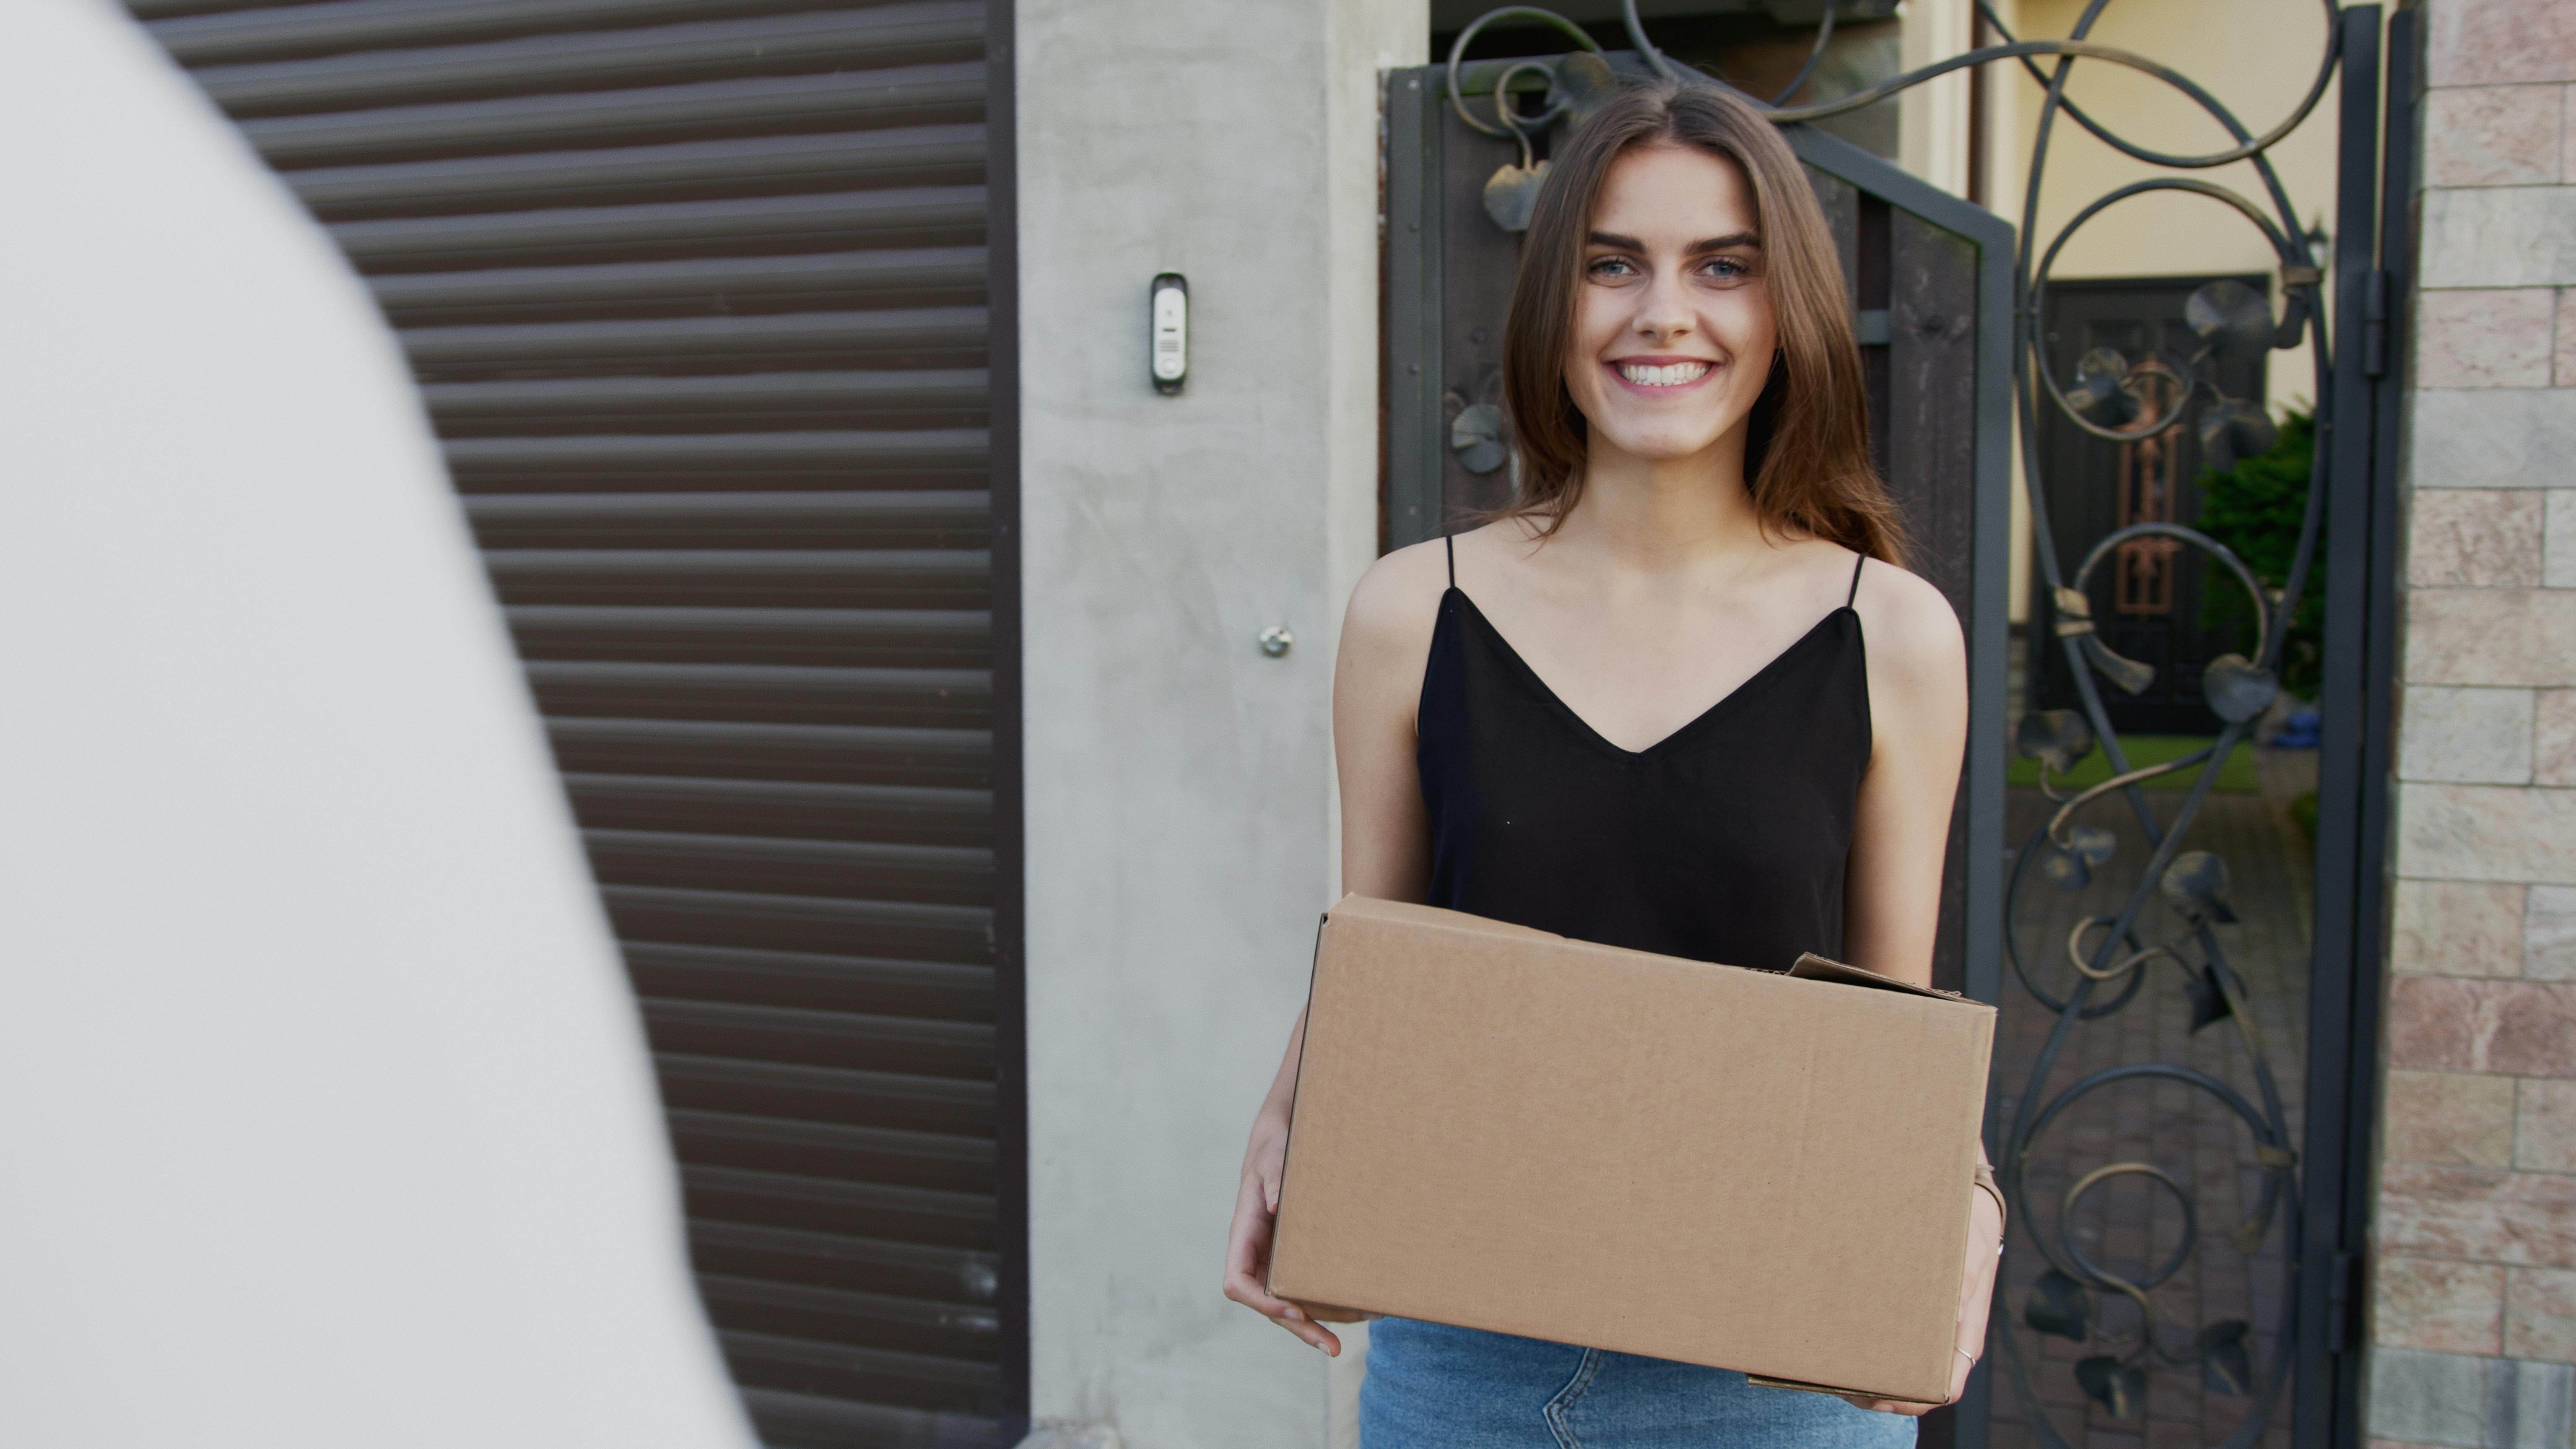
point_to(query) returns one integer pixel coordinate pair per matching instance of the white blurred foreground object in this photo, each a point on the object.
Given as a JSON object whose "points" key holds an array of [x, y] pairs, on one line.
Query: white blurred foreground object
{"points": [[325, 1118]]}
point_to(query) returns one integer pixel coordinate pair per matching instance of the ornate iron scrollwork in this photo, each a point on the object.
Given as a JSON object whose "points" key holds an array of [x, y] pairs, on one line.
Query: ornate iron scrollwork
{"points": [[2165, 925]]}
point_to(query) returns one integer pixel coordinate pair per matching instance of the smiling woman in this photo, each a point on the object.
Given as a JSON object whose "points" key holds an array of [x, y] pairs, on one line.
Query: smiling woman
{"points": [[1681, 697], [1807, 444]]}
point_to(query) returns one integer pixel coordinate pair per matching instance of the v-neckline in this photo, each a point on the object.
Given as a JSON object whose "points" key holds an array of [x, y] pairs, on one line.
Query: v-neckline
{"points": [[1556, 701]]}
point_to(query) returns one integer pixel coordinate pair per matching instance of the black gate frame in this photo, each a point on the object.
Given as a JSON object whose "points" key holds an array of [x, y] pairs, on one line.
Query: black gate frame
{"points": [[2373, 275]]}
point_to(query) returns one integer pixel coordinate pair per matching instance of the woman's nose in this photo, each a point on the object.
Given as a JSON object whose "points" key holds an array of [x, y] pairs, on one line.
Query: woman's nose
{"points": [[1662, 312]]}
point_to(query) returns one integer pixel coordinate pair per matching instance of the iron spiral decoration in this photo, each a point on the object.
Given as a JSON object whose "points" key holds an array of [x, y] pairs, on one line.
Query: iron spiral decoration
{"points": [[2165, 925]]}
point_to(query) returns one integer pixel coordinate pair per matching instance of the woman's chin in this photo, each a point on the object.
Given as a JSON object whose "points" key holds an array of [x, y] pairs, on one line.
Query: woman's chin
{"points": [[1656, 445]]}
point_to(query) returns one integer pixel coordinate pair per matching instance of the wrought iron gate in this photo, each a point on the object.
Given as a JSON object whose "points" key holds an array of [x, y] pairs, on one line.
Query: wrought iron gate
{"points": [[1949, 309]]}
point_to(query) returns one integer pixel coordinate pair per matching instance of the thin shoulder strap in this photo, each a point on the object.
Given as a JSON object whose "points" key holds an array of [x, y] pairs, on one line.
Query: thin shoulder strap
{"points": [[1449, 541], [1855, 588]]}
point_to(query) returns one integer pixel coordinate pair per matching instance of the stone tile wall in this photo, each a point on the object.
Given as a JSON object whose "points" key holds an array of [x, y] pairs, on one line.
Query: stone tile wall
{"points": [[2474, 1278]]}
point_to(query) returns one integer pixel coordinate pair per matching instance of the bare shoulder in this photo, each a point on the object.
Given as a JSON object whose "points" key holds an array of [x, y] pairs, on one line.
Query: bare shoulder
{"points": [[1394, 606], [1912, 631]]}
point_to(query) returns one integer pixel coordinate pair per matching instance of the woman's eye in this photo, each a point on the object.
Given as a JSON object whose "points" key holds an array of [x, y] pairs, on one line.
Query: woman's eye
{"points": [[1612, 267], [1727, 267]]}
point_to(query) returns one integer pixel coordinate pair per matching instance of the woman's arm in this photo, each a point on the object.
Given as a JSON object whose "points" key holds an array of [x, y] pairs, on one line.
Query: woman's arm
{"points": [[1386, 852], [1918, 706], [1918, 710]]}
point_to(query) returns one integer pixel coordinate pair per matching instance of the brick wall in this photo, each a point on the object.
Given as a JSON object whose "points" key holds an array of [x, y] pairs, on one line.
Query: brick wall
{"points": [[2474, 1295]]}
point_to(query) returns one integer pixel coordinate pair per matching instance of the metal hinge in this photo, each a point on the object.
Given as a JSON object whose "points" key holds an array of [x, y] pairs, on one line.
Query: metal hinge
{"points": [[2343, 1304], [2374, 324]]}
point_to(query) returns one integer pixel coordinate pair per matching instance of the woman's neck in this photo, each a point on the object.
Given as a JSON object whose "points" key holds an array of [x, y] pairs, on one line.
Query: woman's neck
{"points": [[1660, 514]]}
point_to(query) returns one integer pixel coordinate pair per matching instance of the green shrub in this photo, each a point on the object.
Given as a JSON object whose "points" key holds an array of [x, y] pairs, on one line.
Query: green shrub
{"points": [[2255, 509]]}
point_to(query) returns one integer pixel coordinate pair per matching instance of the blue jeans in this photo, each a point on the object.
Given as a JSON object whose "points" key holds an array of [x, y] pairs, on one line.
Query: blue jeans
{"points": [[1431, 1386]]}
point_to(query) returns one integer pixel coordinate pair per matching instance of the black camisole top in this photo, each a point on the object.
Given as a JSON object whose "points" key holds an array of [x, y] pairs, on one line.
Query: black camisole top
{"points": [[1724, 841]]}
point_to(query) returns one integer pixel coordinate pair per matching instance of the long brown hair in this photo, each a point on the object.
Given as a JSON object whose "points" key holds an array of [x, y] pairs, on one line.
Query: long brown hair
{"points": [[1807, 460]]}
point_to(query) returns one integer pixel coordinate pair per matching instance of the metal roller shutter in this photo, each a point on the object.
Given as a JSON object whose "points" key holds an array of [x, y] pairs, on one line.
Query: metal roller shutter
{"points": [[696, 294]]}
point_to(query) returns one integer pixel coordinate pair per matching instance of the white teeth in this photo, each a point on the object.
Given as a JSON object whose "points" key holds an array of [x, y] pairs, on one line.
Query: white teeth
{"points": [[1670, 375]]}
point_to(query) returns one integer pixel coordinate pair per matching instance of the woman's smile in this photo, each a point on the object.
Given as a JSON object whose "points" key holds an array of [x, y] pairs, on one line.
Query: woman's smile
{"points": [[1662, 374]]}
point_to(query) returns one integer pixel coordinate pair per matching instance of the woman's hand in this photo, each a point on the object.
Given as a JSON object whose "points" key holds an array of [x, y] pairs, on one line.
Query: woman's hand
{"points": [[1976, 1296], [1256, 1212], [1386, 852], [1247, 1252]]}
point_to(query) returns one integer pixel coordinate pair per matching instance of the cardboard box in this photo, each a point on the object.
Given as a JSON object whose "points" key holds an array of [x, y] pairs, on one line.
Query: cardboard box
{"points": [[1504, 1129]]}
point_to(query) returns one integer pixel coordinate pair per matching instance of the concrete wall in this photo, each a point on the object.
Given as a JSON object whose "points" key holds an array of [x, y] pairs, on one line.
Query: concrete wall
{"points": [[1180, 798], [2475, 1293]]}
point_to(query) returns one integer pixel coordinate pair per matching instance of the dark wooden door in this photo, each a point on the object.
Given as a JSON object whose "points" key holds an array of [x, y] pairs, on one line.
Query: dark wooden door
{"points": [[2147, 595]]}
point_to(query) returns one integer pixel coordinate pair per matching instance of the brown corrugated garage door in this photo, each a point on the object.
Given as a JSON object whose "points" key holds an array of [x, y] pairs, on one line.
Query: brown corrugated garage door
{"points": [[696, 291]]}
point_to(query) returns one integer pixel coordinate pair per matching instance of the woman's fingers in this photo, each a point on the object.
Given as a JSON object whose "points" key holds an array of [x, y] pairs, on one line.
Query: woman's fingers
{"points": [[1976, 1291], [1887, 1406], [1976, 1298], [1247, 1257], [1247, 1290]]}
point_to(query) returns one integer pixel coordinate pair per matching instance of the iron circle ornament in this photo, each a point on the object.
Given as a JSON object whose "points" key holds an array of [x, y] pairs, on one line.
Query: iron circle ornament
{"points": [[1512, 129], [2184, 1243], [1511, 193]]}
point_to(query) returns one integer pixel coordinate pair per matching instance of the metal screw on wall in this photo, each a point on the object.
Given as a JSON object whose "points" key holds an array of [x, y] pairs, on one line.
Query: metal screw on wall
{"points": [[1276, 639]]}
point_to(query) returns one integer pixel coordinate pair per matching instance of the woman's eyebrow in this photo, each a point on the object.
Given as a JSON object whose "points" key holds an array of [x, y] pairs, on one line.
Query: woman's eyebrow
{"points": [[1618, 242], [1722, 243]]}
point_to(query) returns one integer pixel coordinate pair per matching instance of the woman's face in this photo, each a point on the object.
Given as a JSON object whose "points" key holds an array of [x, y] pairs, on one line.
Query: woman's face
{"points": [[1673, 331]]}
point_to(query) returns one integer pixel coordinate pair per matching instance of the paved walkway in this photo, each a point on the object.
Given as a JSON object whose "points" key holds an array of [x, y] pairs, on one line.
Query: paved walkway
{"points": [[2131, 1223]]}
